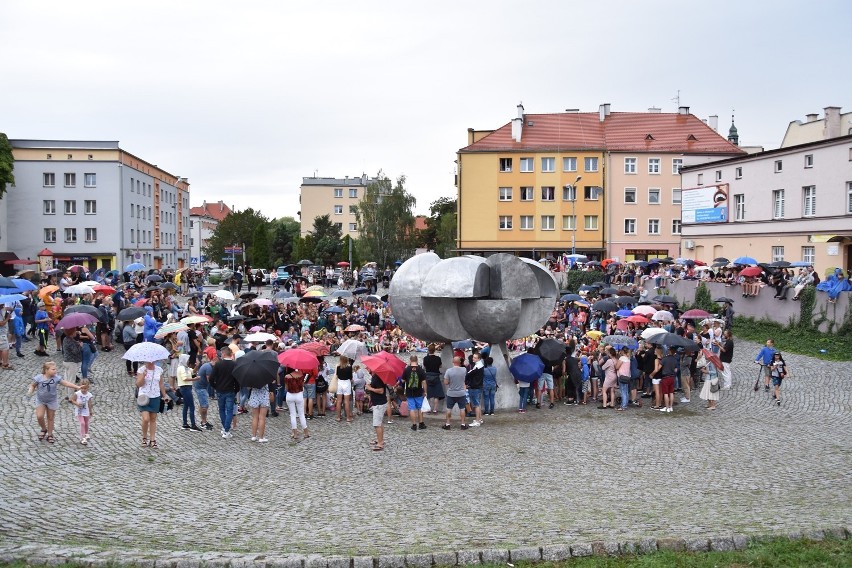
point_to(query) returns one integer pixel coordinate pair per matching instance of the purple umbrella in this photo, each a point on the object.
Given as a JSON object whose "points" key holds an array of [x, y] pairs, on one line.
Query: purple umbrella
{"points": [[76, 319]]}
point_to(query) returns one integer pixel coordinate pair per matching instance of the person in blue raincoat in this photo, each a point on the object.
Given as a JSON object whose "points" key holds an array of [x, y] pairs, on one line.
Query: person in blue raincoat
{"points": [[834, 285], [151, 325]]}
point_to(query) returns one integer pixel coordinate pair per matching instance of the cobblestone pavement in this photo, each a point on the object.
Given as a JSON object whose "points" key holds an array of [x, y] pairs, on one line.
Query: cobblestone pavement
{"points": [[545, 478]]}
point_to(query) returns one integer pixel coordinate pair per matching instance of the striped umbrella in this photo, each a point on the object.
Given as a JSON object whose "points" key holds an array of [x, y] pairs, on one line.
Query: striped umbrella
{"points": [[196, 319], [170, 328]]}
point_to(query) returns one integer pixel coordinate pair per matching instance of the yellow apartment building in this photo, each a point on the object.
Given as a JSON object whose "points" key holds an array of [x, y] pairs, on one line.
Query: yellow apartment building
{"points": [[338, 198]]}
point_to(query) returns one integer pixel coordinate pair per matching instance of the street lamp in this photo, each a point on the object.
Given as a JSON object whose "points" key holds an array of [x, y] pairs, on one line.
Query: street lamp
{"points": [[573, 192]]}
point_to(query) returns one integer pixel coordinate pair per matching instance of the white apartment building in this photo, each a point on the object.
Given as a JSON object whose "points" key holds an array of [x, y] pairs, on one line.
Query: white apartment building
{"points": [[338, 198], [94, 204]]}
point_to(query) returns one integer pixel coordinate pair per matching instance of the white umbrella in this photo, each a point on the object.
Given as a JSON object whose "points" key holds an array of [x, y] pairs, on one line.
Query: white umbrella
{"points": [[663, 315], [352, 349], [259, 337], [90, 283], [147, 352], [650, 332], [644, 310], [224, 295], [79, 290], [711, 321]]}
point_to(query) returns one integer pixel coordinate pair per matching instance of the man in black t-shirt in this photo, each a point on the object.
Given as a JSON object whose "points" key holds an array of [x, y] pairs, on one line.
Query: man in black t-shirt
{"points": [[726, 355], [379, 402], [414, 378]]}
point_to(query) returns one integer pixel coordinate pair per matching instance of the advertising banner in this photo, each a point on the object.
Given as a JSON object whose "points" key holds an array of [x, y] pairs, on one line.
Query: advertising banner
{"points": [[707, 204]]}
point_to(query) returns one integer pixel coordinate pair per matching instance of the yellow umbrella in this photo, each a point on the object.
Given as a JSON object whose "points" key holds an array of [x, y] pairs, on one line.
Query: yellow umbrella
{"points": [[315, 287], [594, 334], [315, 294], [47, 290]]}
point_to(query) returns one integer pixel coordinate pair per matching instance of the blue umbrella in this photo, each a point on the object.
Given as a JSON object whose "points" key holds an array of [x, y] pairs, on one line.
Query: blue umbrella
{"points": [[621, 341], [11, 298], [745, 260], [572, 298], [23, 285], [624, 313], [334, 310], [527, 367], [133, 267], [580, 257], [586, 288], [463, 344]]}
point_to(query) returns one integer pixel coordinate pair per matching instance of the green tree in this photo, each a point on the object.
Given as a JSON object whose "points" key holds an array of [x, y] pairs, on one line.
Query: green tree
{"points": [[327, 241], [344, 250], [386, 221], [283, 233], [237, 229], [7, 164], [303, 248], [440, 233], [260, 247]]}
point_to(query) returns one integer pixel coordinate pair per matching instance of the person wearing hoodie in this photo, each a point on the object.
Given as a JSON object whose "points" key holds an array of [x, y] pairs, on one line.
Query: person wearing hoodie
{"points": [[151, 324]]}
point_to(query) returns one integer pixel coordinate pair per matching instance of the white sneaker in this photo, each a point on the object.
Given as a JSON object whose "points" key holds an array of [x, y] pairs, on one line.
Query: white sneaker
{"points": [[668, 410], [664, 409], [254, 438], [262, 440], [684, 399], [226, 435], [476, 423]]}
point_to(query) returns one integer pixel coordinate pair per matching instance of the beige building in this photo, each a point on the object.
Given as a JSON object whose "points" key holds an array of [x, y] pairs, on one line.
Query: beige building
{"points": [[832, 125], [335, 197]]}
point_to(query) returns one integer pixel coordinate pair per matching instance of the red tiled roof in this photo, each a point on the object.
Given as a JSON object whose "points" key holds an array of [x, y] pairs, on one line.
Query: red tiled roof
{"points": [[619, 132], [216, 210], [420, 222]]}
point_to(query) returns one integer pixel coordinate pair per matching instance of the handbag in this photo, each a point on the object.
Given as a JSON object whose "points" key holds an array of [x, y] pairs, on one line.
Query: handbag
{"points": [[714, 385], [142, 400], [623, 380], [92, 347], [332, 385]]}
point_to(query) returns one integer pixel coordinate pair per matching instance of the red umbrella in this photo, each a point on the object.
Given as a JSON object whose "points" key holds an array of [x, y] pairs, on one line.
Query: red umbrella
{"points": [[104, 288], [76, 268], [637, 318], [342, 263], [695, 314], [140, 303], [751, 271], [298, 359], [386, 366], [316, 348]]}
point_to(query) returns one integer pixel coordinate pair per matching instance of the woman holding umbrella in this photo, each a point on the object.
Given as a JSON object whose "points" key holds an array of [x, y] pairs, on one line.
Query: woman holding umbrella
{"points": [[294, 383], [608, 361], [150, 387]]}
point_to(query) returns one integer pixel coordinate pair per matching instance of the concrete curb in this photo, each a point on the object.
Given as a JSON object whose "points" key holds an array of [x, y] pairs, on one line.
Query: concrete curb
{"points": [[34, 554]]}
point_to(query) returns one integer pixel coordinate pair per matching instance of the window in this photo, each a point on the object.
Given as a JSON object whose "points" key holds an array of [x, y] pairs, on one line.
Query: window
{"points": [[777, 254], [338, 192], [700, 179], [630, 195], [809, 201], [548, 164], [505, 164], [677, 196], [718, 175], [591, 193], [70, 180], [590, 222], [49, 207], [505, 194], [527, 165], [50, 235], [739, 207], [653, 165], [548, 193], [338, 209], [49, 180], [353, 192], [778, 204], [590, 164], [70, 207], [569, 193], [738, 173], [91, 234], [353, 227], [91, 206], [70, 235], [505, 222], [630, 226], [353, 209], [809, 160], [569, 164], [527, 223], [677, 164], [569, 222], [630, 165], [132, 236], [526, 194], [808, 254], [779, 166], [90, 180], [653, 226], [548, 222], [654, 195], [849, 197], [676, 226]]}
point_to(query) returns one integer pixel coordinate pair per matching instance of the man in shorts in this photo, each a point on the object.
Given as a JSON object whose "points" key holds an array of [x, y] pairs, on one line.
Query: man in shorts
{"points": [[414, 379], [379, 401], [454, 380]]}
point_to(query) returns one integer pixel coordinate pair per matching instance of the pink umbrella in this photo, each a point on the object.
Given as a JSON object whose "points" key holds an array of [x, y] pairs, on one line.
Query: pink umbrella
{"points": [[256, 328], [262, 302], [644, 310]]}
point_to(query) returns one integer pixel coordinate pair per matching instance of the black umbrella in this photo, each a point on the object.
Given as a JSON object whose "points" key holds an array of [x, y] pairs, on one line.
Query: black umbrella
{"points": [[598, 284], [130, 314], [283, 294], [665, 299], [304, 262], [593, 263], [84, 309], [724, 299], [168, 286], [551, 350], [721, 259], [312, 299], [572, 298], [780, 264], [609, 291], [256, 369], [154, 278], [671, 340], [152, 288], [237, 317], [248, 296], [625, 300], [373, 299], [605, 306], [586, 288], [719, 264]]}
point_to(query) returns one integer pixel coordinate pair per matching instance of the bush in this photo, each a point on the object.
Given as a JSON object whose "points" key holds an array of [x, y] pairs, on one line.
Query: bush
{"points": [[573, 279], [215, 280], [703, 300]]}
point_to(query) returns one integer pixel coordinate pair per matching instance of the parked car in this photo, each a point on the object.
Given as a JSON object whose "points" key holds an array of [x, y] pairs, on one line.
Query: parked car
{"points": [[223, 274], [282, 274], [264, 273]]}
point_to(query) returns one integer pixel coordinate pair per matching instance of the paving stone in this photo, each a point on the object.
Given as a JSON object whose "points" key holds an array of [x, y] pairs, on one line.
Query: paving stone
{"points": [[467, 557], [580, 550], [360, 562], [339, 562], [495, 556], [794, 535], [391, 561], [555, 552], [527, 554], [697, 544], [722, 544], [836, 532], [815, 534], [740, 541], [418, 560], [444, 558], [676, 544], [647, 545], [628, 547]]}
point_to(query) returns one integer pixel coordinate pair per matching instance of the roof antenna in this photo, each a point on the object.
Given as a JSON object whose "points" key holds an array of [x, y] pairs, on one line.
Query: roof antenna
{"points": [[677, 99]]}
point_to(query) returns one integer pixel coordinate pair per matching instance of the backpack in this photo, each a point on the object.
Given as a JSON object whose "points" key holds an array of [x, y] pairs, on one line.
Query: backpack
{"points": [[412, 380]]}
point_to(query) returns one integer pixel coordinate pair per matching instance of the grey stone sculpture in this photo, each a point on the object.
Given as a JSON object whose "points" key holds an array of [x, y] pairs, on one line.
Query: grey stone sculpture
{"points": [[492, 299]]}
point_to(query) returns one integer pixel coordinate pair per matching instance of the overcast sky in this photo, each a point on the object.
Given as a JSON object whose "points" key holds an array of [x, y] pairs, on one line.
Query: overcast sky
{"points": [[246, 98]]}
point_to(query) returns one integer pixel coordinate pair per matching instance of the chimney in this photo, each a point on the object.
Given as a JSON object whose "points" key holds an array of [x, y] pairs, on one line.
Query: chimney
{"points": [[603, 111], [832, 123], [811, 117], [683, 110], [654, 110], [518, 124], [714, 122]]}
